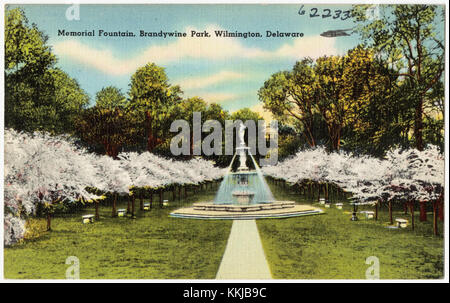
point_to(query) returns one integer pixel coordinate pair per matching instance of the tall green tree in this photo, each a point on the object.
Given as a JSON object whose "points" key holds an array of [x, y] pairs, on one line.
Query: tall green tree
{"points": [[331, 91], [290, 96], [38, 96], [411, 39], [155, 100], [110, 128], [346, 86], [110, 97], [213, 111], [187, 109], [216, 112], [245, 114]]}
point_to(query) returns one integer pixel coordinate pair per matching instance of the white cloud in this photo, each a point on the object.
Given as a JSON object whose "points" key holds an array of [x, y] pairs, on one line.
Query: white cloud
{"points": [[212, 48], [101, 59], [216, 97], [313, 46], [205, 81]]}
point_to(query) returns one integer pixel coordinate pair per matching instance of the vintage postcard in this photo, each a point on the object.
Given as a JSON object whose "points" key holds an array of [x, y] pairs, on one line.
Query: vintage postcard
{"points": [[225, 141]]}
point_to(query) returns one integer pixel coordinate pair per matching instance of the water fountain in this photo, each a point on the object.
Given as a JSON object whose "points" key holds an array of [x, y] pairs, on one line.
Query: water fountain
{"points": [[244, 194], [243, 186]]}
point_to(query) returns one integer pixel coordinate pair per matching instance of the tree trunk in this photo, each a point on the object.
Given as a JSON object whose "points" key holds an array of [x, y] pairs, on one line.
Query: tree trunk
{"points": [[129, 204], [423, 211], [185, 192], [376, 211], [405, 207], [179, 192], [160, 198], [435, 218], [150, 138], [390, 212], [97, 216], [441, 208], [49, 221], [114, 209], [151, 199], [141, 200], [174, 196], [318, 192], [191, 145], [334, 132], [112, 150], [411, 208], [418, 125], [132, 206]]}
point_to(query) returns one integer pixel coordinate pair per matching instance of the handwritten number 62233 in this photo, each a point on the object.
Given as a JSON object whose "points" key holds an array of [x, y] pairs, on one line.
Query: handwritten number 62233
{"points": [[326, 13]]}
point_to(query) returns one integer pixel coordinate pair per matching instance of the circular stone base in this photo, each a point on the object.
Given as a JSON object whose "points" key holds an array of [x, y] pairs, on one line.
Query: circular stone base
{"points": [[278, 209]]}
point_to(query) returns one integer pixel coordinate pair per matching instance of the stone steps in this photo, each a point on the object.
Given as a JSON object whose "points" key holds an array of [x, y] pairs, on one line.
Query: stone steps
{"points": [[243, 208]]}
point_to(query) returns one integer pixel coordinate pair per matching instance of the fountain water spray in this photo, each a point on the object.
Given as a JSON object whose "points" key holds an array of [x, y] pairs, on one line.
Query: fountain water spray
{"points": [[243, 186], [244, 194]]}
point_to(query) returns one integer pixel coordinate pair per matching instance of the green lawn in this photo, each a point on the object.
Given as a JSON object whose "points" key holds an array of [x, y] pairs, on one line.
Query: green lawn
{"points": [[330, 246], [153, 246]]}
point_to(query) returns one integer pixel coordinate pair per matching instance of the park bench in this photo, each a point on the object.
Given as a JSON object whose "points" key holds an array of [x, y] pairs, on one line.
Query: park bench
{"points": [[88, 219], [370, 214], [401, 222]]}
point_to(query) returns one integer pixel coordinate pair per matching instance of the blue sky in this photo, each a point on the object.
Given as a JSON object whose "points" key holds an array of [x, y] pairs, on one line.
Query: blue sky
{"points": [[228, 71]]}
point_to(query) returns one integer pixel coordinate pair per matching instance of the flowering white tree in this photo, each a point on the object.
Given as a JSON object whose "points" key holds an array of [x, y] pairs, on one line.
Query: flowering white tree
{"points": [[312, 166], [430, 175], [420, 177], [14, 229], [403, 176], [43, 170]]}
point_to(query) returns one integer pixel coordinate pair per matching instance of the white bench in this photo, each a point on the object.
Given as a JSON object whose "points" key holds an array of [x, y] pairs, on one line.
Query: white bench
{"points": [[87, 219], [146, 206], [121, 212], [402, 223], [322, 201], [339, 205], [370, 214]]}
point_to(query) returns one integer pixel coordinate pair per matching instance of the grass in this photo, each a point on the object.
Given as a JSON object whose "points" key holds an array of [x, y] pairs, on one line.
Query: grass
{"points": [[153, 246], [330, 246]]}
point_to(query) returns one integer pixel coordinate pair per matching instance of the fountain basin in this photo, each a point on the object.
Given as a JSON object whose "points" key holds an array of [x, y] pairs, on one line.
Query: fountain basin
{"points": [[278, 209], [236, 208], [243, 197]]}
